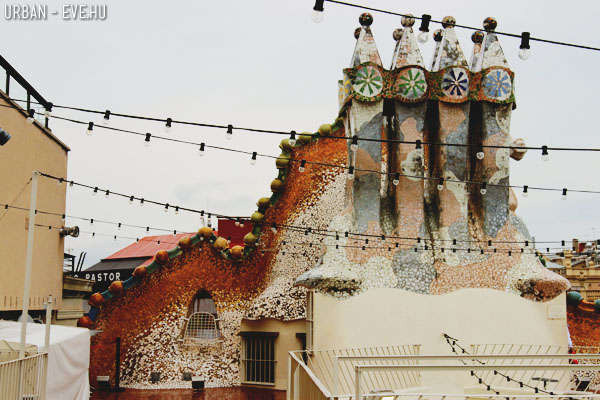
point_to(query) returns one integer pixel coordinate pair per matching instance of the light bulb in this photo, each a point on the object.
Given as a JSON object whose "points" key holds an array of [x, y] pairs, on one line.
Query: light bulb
{"points": [[440, 186], [353, 147], [301, 168], [47, 113], [253, 162], [483, 191], [166, 209], [177, 211], [546, 157], [563, 197], [396, 182], [201, 153], [317, 16], [423, 36], [524, 54], [30, 120], [241, 224], [525, 194], [229, 136], [480, 155], [147, 144], [89, 131], [237, 223], [350, 176], [292, 142]]}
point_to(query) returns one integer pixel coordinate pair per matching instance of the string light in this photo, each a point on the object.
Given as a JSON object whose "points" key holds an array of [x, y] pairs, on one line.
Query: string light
{"points": [[317, 13], [480, 155], [350, 172], [483, 189], [524, 51], [418, 144], [90, 128], [131, 200], [168, 124], [167, 208], [253, 159], [302, 168], [354, 143], [292, 138], [229, 133], [396, 180], [424, 28], [564, 194], [201, 150], [106, 117], [142, 202], [525, 193], [107, 192], [545, 155], [440, 185], [176, 210], [30, 116], [95, 192], [147, 140], [48, 110]]}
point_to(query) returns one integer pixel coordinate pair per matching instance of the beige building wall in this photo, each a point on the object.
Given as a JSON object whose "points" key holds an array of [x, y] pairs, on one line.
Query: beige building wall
{"points": [[30, 148], [285, 342]]}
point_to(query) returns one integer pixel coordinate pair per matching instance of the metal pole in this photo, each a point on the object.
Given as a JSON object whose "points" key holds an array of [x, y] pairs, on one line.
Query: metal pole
{"points": [[48, 322], [28, 260], [357, 383], [118, 365]]}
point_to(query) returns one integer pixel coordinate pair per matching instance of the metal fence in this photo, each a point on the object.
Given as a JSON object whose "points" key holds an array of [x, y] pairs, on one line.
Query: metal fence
{"points": [[520, 372], [24, 379], [335, 368]]}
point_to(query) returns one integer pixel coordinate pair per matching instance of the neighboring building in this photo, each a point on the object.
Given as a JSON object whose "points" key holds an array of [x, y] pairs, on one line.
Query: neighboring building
{"points": [[120, 265], [32, 147], [580, 266]]}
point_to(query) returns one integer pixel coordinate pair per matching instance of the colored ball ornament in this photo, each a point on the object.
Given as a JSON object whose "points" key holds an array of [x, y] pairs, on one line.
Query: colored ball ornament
{"points": [[263, 203], [257, 217], [489, 24], [448, 22], [574, 298], [96, 300], [162, 257], [282, 161], [85, 322], [220, 243], [325, 130], [116, 288], [140, 272], [365, 19], [477, 37], [205, 232], [237, 252], [250, 239], [276, 185], [305, 137], [285, 145], [185, 243]]}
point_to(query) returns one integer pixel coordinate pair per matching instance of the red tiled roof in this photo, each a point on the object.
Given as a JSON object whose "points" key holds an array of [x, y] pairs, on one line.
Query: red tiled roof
{"points": [[148, 246]]}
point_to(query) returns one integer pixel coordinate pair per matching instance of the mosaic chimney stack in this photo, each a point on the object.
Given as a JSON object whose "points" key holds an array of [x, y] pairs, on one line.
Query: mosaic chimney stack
{"points": [[437, 219]]}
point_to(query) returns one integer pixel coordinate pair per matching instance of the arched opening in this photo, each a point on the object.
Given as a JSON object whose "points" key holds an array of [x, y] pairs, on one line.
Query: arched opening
{"points": [[203, 320]]}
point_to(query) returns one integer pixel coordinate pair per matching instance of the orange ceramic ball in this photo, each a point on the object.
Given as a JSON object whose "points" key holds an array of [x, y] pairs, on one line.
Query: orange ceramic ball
{"points": [[96, 300], [205, 232], [237, 251], [220, 243], [276, 185], [250, 239], [85, 322], [185, 243], [162, 257], [116, 288], [140, 272]]}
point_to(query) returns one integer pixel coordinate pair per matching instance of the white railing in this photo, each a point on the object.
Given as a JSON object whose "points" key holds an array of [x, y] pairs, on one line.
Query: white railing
{"points": [[302, 382], [588, 381], [24, 379], [335, 368], [537, 373]]}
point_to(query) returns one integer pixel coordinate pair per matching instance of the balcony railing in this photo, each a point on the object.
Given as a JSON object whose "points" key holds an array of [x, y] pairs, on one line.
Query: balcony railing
{"points": [[30, 92], [24, 378], [512, 372]]}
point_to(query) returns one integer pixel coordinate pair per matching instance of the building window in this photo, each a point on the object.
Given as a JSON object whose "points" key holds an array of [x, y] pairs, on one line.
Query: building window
{"points": [[258, 357], [203, 322]]}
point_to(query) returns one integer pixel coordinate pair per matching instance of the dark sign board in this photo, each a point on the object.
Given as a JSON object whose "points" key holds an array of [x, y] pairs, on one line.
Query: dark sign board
{"points": [[103, 279]]}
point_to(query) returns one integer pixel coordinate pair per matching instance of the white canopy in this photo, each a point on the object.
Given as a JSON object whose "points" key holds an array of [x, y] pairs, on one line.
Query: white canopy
{"points": [[68, 357]]}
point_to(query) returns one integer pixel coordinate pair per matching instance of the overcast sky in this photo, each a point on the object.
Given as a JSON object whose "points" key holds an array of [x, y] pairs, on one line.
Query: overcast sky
{"points": [[265, 64]]}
